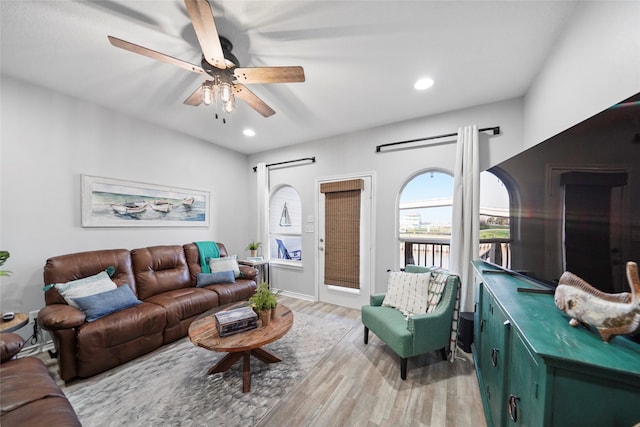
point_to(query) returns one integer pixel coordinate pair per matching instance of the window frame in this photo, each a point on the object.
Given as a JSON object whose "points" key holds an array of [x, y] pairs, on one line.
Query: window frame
{"points": [[275, 232]]}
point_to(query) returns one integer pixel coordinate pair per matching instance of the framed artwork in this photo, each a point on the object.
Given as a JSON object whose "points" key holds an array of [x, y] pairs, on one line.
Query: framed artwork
{"points": [[110, 202]]}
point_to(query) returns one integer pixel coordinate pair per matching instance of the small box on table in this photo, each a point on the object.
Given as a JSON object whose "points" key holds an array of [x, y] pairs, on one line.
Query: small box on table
{"points": [[237, 320]]}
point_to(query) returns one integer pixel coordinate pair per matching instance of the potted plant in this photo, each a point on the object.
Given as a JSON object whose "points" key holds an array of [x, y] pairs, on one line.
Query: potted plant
{"points": [[253, 248], [263, 301], [4, 255]]}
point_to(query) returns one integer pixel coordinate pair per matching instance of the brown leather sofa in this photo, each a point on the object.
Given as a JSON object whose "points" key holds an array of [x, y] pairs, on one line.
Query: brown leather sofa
{"points": [[163, 277], [28, 394]]}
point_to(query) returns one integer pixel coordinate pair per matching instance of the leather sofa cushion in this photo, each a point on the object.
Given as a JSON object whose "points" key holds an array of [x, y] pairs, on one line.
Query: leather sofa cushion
{"points": [[118, 338], [31, 397], [232, 292], [64, 268], [52, 411], [184, 303], [159, 269], [120, 327]]}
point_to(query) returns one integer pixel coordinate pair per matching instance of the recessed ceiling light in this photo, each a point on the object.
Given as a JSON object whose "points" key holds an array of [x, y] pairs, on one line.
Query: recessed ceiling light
{"points": [[423, 83], [249, 132]]}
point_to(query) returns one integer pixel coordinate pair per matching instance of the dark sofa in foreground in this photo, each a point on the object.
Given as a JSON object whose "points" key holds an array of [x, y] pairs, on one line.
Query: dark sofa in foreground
{"points": [[164, 278], [28, 394]]}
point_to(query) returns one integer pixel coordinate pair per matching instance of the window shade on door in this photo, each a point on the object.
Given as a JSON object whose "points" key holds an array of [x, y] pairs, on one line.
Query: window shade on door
{"points": [[342, 232]]}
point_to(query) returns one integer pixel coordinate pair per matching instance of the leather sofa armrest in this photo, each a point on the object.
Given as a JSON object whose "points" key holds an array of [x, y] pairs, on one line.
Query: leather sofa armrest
{"points": [[60, 316], [248, 272], [10, 345], [376, 299]]}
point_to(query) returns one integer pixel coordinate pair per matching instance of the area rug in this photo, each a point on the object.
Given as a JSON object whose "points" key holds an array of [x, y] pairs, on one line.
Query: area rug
{"points": [[170, 387]]}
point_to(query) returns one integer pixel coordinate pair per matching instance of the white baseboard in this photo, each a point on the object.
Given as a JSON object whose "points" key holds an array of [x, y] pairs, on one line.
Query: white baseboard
{"points": [[304, 297]]}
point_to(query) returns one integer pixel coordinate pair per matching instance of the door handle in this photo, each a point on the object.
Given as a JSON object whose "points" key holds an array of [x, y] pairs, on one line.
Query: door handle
{"points": [[494, 356], [512, 407]]}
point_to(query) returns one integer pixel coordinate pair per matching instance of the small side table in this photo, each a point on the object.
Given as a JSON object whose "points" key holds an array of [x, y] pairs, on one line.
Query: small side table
{"points": [[263, 268], [18, 321]]}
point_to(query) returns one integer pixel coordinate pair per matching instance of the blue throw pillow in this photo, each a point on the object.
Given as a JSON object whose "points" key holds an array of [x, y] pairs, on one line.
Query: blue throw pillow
{"points": [[99, 305], [205, 279]]}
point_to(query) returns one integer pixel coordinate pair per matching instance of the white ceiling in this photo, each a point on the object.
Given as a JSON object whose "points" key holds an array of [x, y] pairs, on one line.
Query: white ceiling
{"points": [[360, 58]]}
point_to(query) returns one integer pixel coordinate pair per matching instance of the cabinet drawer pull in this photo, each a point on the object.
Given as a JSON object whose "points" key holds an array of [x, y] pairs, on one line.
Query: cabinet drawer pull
{"points": [[494, 356], [482, 325], [512, 407]]}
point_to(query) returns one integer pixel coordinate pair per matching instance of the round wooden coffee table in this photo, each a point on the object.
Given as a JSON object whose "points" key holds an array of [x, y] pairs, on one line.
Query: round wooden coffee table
{"points": [[243, 345], [19, 320]]}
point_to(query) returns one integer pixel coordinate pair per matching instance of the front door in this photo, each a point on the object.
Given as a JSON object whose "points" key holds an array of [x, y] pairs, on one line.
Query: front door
{"points": [[345, 221]]}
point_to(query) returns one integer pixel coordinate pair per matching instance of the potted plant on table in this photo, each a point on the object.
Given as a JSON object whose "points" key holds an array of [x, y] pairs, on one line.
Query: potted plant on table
{"points": [[263, 302], [253, 248], [4, 256]]}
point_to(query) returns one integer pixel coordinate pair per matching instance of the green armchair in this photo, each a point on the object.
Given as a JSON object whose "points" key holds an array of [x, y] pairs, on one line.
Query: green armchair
{"points": [[417, 334]]}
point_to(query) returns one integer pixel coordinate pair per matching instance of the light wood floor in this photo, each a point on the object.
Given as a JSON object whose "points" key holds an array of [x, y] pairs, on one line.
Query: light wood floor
{"points": [[360, 385]]}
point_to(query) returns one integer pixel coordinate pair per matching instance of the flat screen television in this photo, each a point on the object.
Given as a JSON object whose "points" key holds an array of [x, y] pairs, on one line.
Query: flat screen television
{"points": [[575, 201]]}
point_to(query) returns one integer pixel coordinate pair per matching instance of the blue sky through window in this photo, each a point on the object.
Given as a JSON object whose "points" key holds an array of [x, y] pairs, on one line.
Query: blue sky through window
{"points": [[428, 186], [432, 185]]}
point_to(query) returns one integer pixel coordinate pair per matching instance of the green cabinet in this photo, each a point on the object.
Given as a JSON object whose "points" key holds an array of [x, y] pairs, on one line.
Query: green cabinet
{"points": [[492, 354], [523, 391], [534, 369]]}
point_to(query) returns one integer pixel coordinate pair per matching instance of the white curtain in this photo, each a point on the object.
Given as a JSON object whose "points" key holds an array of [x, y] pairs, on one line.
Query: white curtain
{"points": [[262, 208], [466, 212]]}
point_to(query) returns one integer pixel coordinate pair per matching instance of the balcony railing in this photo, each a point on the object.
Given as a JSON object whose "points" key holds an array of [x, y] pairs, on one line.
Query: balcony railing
{"points": [[436, 252]]}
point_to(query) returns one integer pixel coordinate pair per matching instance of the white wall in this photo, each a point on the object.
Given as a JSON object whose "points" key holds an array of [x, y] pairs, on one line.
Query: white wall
{"points": [[48, 140], [356, 153], [594, 65]]}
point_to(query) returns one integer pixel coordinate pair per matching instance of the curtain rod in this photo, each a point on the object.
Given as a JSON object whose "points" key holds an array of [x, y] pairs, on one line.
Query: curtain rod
{"points": [[311, 159], [495, 130]]}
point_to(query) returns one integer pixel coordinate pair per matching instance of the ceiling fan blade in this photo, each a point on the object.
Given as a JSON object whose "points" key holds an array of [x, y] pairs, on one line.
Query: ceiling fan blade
{"points": [[205, 26], [132, 47], [256, 75], [195, 98], [252, 99]]}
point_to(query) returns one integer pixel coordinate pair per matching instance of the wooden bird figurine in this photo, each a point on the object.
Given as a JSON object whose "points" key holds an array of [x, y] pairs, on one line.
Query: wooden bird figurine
{"points": [[611, 314]]}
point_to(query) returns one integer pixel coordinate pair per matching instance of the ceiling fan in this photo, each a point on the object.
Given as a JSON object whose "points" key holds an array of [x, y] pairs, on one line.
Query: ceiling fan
{"points": [[225, 79]]}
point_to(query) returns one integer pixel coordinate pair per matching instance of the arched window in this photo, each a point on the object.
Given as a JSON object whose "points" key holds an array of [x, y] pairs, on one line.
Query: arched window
{"points": [[495, 220], [285, 225], [424, 226], [425, 214]]}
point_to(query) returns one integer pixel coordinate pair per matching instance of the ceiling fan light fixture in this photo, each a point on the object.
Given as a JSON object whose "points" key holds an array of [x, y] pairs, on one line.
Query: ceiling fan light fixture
{"points": [[207, 94], [226, 92], [423, 83], [230, 105]]}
